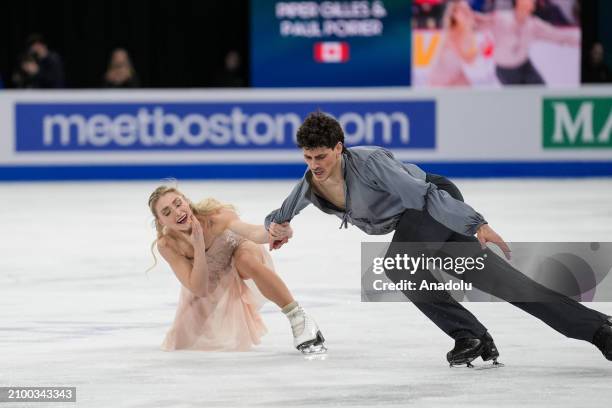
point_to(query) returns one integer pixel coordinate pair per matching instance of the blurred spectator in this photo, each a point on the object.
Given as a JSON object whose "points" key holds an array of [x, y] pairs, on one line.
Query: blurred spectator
{"points": [[39, 67], [120, 72], [549, 11], [596, 70], [231, 76], [24, 76], [427, 13]]}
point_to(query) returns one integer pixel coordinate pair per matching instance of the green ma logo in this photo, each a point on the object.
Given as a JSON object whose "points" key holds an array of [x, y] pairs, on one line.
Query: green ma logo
{"points": [[577, 123]]}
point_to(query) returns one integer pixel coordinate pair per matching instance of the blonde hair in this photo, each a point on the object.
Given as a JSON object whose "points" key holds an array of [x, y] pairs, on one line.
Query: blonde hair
{"points": [[200, 209]]}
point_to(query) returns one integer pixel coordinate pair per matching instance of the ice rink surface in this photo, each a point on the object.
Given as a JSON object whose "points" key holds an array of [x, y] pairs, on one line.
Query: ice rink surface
{"points": [[77, 309]]}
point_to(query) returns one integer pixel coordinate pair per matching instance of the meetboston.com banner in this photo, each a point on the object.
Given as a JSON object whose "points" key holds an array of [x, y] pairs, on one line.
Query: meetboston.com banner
{"points": [[215, 126], [251, 134]]}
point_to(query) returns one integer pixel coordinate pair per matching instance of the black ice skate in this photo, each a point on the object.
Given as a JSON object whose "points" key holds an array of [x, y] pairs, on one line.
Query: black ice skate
{"points": [[489, 350], [465, 351], [603, 339]]}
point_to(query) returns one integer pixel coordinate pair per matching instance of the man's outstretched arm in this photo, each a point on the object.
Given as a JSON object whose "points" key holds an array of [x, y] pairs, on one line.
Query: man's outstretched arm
{"points": [[389, 173], [277, 222]]}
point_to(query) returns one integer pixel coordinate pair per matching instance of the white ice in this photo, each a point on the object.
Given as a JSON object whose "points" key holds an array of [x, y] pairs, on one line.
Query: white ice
{"points": [[77, 309]]}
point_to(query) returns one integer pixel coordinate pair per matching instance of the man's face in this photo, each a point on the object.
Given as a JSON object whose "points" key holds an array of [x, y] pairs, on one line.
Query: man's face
{"points": [[322, 160], [525, 6]]}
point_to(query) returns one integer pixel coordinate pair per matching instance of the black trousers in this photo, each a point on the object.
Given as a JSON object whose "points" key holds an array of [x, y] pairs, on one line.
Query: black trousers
{"points": [[498, 278], [523, 74]]}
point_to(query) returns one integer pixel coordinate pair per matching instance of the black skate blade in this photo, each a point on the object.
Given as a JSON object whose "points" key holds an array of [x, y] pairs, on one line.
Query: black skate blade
{"points": [[478, 367], [466, 362], [461, 365], [487, 366]]}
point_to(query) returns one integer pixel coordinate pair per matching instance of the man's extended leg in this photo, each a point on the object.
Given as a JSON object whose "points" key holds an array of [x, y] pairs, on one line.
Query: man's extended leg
{"points": [[439, 306], [502, 280]]}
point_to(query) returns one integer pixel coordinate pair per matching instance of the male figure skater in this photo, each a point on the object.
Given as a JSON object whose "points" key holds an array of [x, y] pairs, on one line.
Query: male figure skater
{"points": [[514, 32], [369, 188]]}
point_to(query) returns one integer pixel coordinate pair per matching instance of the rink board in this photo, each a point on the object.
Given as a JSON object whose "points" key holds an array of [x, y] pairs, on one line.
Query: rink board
{"points": [[250, 134]]}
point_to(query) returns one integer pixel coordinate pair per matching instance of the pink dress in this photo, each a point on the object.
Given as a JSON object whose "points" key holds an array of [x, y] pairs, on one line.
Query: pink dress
{"points": [[228, 318]]}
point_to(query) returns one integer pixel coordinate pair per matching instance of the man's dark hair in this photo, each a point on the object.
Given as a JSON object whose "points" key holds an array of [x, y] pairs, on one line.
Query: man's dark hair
{"points": [[319, 130]]}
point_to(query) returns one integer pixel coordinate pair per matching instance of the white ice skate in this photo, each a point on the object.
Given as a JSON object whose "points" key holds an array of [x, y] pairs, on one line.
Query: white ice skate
{"points": [[307, 336]]}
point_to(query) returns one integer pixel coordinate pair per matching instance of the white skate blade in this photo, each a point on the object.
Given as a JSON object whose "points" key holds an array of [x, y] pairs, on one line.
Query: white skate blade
{"points": [[315, 357], [314, 352]]}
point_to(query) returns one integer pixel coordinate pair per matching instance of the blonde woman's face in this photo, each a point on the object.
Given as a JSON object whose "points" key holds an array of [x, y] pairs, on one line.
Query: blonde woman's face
{"points": [[173, 212]]}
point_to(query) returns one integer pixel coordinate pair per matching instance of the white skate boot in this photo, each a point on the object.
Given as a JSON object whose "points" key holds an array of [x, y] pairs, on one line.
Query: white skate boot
{"points": [[307, 336]]}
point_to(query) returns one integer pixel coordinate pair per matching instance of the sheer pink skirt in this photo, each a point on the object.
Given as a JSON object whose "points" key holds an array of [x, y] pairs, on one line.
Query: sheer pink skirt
{"points": [[226, 320]]}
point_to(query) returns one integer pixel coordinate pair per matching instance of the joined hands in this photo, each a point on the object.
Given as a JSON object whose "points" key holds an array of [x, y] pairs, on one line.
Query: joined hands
{"points": [[279, 235]]}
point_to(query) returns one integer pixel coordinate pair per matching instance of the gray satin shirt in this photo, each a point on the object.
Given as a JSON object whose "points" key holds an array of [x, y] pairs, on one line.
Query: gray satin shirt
{"points": [[378, 189]]}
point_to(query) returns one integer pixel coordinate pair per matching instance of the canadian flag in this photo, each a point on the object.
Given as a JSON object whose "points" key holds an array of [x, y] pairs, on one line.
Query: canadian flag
{"points": [[331, 52]]}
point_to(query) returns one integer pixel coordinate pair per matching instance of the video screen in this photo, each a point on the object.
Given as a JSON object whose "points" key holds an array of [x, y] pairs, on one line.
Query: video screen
{"points": [[330, 43], [494, 43]]}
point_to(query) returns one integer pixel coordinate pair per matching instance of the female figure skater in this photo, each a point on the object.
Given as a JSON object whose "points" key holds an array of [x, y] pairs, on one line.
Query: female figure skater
{"points": [[458, 48], [213, 253]]}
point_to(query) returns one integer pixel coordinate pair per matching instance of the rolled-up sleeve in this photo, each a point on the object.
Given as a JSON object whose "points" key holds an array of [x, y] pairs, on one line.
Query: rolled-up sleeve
{"points": [[389, 174], [293, 204]]}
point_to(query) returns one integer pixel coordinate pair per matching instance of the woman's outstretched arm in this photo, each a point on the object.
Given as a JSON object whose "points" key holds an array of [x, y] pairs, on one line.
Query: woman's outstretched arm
{"points": [[230, 220]]}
